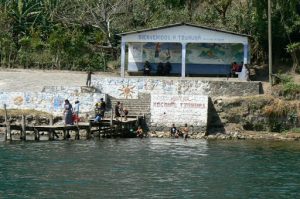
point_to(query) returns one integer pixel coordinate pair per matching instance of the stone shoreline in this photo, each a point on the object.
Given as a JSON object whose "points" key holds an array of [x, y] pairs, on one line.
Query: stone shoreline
{"points": [[249, 135]]}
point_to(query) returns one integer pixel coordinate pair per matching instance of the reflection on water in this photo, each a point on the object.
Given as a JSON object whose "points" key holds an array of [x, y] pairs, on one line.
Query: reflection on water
{"points": [[150, 168]]}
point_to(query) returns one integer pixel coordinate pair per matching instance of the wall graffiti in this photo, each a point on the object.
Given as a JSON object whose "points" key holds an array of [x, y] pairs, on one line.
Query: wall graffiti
{"points": [[190, 109]]}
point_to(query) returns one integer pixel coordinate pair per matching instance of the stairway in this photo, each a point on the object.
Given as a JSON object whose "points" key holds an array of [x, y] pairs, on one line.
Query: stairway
{"points": [[135, 107]]}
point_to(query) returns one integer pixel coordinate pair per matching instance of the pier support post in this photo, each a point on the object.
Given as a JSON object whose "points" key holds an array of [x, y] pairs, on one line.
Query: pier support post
{"points": [[88, 130], [6, 122], [23, 129], [9, 130], [77, 134], [65, 136], [36, 135]]}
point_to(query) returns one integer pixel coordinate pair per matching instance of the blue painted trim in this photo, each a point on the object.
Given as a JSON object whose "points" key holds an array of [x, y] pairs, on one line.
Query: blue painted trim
{"points": [[204, 69]]}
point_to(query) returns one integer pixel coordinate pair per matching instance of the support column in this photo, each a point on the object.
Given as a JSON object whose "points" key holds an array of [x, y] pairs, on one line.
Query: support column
{"points": [[123, 53], [246, 50], [183, 55]]}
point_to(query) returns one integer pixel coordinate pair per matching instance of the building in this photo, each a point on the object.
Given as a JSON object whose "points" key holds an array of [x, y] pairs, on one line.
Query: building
{"points": [[191, 49]]}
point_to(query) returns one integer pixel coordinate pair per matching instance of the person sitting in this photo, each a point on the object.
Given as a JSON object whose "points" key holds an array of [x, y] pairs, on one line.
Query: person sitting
{"points": [[173, 130], [147, 68], [185, 131], [167, 68], [160, 69], [139, 132], [234, 68], [99, 110], [240, 67]]}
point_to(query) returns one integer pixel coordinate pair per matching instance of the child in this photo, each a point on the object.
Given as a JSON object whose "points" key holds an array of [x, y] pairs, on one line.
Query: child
{"points": [[139, 132]]}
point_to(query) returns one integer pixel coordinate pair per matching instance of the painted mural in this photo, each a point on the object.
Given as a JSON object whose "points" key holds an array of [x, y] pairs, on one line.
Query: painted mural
{"points": [[129, 88], [197, 53], [154, 52], [51, 101], [208, 53]]}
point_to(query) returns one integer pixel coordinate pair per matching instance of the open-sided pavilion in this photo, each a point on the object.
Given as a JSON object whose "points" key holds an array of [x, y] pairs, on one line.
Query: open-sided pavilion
{"points": [[190, 49]]}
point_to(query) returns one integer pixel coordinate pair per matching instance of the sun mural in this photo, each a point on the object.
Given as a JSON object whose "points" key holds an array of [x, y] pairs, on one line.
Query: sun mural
{"points": [[127, 91]]}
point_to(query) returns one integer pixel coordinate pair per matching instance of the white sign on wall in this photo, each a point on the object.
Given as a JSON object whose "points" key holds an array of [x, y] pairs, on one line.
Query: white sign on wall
{"points": [[185, 34], [179, 110]]}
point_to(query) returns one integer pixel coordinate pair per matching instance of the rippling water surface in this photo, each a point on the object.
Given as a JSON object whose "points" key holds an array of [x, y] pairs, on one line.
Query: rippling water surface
{"points": [[150, 168]]}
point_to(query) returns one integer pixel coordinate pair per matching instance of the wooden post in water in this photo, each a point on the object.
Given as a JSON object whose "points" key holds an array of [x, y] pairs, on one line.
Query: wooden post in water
{"points": [[23, 129], [51, 131], [36, 132], [7, 123], [36, 135], [5, 118], [88, 130], [9, 130], [111, 118], [65, 135], [77, 133]]}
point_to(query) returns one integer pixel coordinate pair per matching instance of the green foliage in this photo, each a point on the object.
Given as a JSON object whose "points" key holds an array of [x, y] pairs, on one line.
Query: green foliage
{"points": [[290, 89], [74, 34]]}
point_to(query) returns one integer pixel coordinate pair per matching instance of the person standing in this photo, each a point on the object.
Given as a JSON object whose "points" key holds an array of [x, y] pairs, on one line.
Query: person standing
{"points": [[76, 111], [102, 107], [117, 110], [89, 78], [68, 112]]}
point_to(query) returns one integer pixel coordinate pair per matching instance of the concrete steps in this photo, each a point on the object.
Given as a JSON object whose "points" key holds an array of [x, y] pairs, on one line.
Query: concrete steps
{"points": [[138, 106]]}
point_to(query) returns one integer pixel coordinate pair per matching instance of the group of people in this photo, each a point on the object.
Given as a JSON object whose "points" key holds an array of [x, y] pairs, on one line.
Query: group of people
{"points": [[176, 133], [120, 111], [162, 68], [71, 115], [100, 108]]}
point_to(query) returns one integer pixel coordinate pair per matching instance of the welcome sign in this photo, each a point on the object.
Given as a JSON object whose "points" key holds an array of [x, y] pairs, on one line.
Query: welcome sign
{"points": [[179, 110]]}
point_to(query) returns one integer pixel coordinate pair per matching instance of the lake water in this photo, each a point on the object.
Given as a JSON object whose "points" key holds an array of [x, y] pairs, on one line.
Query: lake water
{"points": [[150, 168]]}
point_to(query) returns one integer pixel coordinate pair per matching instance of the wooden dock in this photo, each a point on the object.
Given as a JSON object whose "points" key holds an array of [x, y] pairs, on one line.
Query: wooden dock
{"points": [[104, 128]]}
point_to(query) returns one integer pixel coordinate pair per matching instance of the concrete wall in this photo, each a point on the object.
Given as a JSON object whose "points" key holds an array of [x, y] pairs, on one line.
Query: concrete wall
{"points": [[179, 109], [173, 100], [128, 88]]}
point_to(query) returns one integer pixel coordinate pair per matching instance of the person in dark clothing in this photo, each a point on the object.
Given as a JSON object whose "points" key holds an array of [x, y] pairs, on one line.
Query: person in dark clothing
{"points": [[89, 78], [167, 68], [68, 112], [173, 130], [117, 110], [100, 108], [160, 69], [147, 68]]}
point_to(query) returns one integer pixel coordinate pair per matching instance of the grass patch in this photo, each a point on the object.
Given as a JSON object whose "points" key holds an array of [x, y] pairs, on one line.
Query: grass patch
{"points": [[293, 130]]}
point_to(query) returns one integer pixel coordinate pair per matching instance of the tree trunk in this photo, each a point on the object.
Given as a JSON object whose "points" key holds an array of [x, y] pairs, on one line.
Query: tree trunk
{"points": [[295, 59]]}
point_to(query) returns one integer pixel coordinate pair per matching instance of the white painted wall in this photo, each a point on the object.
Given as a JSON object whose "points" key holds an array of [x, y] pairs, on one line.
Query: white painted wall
{"points": [[179, 109]]}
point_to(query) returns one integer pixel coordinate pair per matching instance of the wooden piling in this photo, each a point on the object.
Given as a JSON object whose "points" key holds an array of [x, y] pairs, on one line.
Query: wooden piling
{"points": [[51, 131], [23, 129], [77, 134], [111, 118], [36, 135], [88, 130], [6, 122]]}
